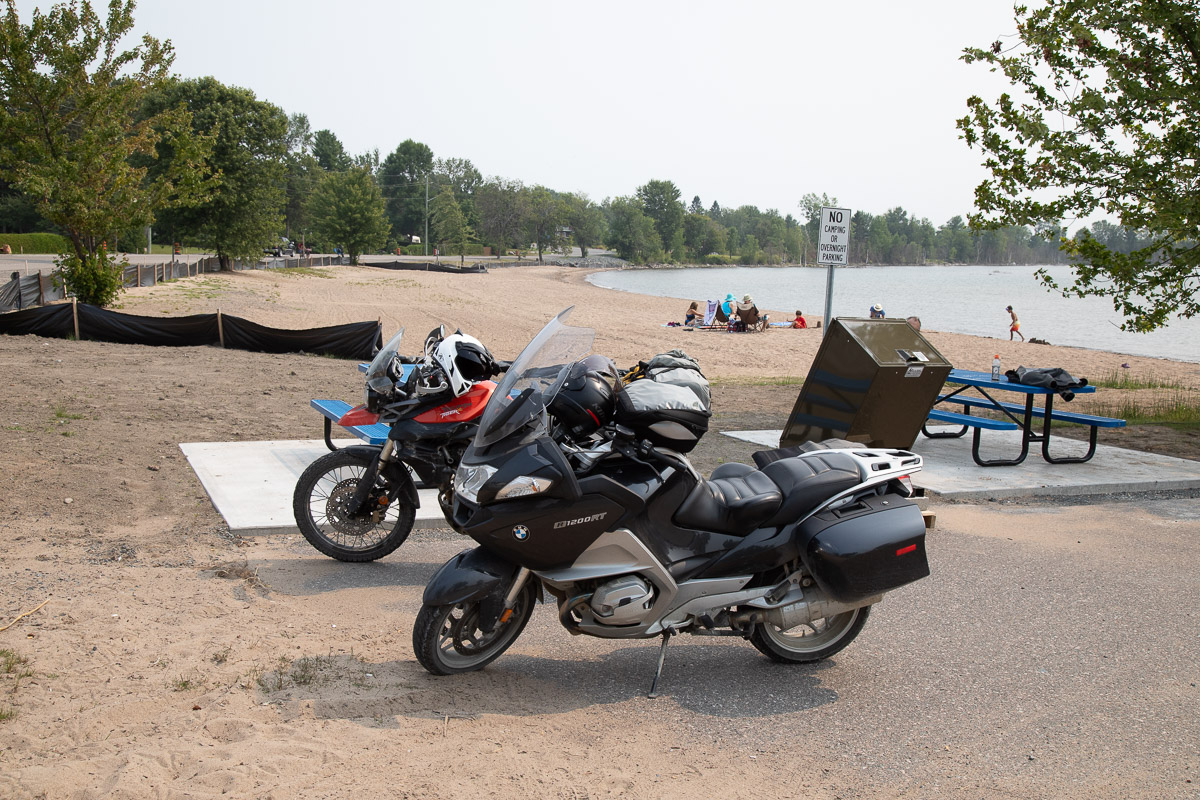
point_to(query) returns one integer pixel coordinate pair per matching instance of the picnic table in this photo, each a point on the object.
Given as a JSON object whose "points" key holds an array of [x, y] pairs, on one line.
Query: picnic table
{"points": [[976, 390]]}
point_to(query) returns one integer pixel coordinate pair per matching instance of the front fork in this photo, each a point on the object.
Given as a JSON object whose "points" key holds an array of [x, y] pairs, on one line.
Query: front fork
{"points": [[367, 482], [514, 592]]}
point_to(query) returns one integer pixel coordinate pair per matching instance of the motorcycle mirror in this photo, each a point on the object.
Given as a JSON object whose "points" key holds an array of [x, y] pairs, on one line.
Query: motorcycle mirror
{"points": [[435, 336]]}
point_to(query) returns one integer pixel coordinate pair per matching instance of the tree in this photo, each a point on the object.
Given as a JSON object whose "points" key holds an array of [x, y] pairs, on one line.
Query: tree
{"points": [[302, 174], [544, 221], [450, 228], [585, 220], [250, 140], [631, 233], [696, 207], [71, 137], [660, 202], [402, 178], [1107, 121], [347, 210], [331, 155], [502, 208]]}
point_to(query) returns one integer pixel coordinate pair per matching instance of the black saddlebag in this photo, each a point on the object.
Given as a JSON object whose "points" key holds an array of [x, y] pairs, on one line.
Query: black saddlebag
{"points": [[669, 416], [865, 548]]}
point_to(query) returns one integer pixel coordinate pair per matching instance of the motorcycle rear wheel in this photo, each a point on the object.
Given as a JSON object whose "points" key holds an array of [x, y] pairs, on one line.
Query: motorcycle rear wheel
{"points": [[806, 643], [319, 504], [447, 639]]}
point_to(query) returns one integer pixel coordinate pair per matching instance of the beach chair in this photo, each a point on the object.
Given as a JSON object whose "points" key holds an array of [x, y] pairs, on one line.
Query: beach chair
{"points": [[749, 319], [720, 322]]}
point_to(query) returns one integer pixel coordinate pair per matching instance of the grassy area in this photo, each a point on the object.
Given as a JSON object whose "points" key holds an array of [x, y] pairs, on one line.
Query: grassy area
{"points": [[165, 250], [305, 271], [786, 380], [1125, 379], [1180, 407]]}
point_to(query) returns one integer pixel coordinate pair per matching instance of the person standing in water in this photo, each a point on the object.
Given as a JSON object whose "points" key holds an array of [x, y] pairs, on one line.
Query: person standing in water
{"points": [[1015, 327]]}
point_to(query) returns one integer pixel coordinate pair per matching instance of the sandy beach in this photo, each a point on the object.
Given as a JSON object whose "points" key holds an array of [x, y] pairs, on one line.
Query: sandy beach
{"points": [[173, 659]]}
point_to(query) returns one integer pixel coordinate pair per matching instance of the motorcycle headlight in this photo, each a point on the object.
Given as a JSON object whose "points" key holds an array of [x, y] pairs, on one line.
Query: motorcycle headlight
{"points": [[468, 480], [523, 486]]}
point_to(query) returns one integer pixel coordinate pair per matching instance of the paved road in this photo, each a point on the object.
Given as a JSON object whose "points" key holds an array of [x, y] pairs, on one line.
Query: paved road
{"points": [[1053, 652], [31, 264]]}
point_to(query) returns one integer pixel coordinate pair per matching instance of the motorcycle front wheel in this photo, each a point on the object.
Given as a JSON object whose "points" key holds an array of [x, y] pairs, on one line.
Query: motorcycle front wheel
{"points": [[321, 506], [447, 639], [812, 642]]}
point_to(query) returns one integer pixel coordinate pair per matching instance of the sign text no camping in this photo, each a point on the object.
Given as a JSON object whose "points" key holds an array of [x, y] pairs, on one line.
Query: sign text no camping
{"points": [[834, 242]]}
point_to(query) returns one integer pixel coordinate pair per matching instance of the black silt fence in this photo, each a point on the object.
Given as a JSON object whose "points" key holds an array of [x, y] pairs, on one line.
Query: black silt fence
{"points": [[355, 340]]}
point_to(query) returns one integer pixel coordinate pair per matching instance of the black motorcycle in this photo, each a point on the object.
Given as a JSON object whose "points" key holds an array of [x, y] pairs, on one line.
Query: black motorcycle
{"points": [[579, 486], [359, 503]]}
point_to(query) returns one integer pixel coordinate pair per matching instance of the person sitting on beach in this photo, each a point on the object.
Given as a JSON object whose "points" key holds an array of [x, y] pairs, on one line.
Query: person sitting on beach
{"points": [[799, 322], [729, 306], [689, 318], [877, 311]]}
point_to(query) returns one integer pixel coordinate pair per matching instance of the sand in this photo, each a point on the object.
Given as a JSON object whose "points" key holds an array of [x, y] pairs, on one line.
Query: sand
{"points": [[172, 659]]}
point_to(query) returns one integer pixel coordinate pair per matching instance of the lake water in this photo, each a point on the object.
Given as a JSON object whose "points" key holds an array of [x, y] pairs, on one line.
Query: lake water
{"points": [[955, 299]]}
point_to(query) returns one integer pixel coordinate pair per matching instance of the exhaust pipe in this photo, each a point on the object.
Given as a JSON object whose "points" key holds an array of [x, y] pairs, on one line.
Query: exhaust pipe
{"points": [[816, 605]]}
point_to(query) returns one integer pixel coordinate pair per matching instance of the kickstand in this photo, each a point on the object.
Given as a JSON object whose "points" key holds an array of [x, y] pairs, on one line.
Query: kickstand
{"points": [[662, 655]]}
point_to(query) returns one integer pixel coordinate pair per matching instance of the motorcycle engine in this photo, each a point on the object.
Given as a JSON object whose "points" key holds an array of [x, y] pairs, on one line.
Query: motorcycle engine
{"points": [[622, 601]]}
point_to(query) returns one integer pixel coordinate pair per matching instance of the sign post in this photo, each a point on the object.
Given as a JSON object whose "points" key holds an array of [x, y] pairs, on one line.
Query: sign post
{"points": [[832, 247]]}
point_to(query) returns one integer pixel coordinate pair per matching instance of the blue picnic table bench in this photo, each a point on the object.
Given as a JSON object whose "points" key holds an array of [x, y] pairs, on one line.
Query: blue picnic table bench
{"points": [[334, 410], [1019, 416]]}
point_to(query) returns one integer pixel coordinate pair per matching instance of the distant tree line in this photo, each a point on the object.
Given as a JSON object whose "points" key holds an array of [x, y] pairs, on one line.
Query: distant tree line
{"points": [[96, 143]]}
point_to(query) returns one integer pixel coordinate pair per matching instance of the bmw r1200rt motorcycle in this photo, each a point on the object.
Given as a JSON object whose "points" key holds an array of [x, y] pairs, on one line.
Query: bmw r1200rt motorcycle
{"points": [[358, 503], [579, 486]]}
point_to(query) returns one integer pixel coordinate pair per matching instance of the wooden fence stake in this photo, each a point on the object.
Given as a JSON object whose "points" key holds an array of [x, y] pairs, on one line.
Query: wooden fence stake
{"points": [[75, 314], [220, 328]]}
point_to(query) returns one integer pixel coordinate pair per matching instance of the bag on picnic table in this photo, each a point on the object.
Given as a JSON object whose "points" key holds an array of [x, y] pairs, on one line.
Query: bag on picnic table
{"points": [[1054, 378]]}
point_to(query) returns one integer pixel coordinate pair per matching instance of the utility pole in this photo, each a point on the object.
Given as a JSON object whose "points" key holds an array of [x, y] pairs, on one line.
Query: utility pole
{"points": [[426, 213]]}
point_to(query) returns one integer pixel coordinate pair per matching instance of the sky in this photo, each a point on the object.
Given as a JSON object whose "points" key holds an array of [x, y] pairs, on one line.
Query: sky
{"points": [[755, 103]]}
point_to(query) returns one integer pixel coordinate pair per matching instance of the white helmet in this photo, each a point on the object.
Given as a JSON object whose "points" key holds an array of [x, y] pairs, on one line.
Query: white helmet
{"points": [[465, 361]]}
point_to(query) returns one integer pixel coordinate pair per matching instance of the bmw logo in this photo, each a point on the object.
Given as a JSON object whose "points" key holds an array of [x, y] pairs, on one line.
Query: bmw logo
{"points": [[520, 533]]}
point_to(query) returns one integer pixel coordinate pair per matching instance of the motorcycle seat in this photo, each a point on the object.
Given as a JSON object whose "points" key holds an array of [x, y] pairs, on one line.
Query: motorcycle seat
{"points": [[732, 501], [807, 482]]}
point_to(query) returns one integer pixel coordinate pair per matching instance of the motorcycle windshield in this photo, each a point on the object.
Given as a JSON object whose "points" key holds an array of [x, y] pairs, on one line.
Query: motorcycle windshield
{"points": [[533, 379], [377, 373]]}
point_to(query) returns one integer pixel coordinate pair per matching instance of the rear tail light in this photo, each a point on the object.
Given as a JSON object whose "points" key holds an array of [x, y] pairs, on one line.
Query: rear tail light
{"points": [[905, 482], [903, 551]]}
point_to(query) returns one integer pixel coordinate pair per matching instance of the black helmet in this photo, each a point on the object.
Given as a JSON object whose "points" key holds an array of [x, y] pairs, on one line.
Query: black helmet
{"points": [[586, 401]]}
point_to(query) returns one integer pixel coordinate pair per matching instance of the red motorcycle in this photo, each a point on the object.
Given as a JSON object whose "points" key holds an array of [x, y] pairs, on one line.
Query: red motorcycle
{"points": [[358, 503]]}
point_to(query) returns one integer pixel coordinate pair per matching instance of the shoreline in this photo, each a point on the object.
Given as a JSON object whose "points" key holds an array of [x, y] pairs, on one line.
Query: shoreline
{"points": [[629, 325]]}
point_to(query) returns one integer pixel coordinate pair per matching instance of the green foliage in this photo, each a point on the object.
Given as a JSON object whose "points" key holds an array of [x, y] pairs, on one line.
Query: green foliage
{"points": [[544, 220], [402, 179], [631, 233], [329, 152], [35, 242], [96, 278], [244, 213], [1107, 120], [71, 136], [585, 220], [502, 206], [450, 228], [660, 202], [347, 210]]}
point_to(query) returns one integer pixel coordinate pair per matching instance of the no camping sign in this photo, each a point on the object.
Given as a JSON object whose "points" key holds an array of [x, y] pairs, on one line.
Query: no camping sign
{"points": [[833, 244]]}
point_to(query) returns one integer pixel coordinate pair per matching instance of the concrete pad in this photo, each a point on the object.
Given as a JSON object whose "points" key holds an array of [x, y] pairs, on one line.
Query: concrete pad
{"points": [[951, 472], [251, 483]]}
